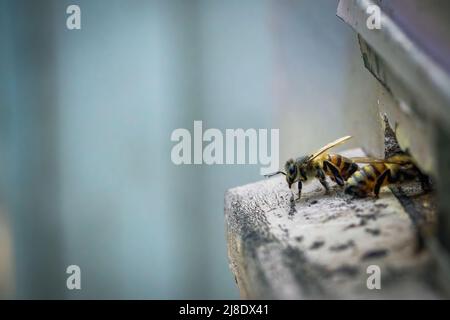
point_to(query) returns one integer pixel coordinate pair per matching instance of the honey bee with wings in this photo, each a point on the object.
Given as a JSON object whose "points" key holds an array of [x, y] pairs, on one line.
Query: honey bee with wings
{"points": [[319, 165], [377, 173]]}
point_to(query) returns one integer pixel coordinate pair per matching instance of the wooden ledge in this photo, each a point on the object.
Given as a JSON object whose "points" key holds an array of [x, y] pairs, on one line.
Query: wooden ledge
{"points": [[321, 246]]}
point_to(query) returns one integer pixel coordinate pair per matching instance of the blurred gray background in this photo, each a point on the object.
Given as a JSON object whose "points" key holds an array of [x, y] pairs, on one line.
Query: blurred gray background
{"points": [[85, 124]]}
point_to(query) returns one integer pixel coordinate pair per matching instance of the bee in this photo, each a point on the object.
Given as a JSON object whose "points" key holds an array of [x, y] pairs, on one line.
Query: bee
{"points": [[319, 165], [382, 172]]}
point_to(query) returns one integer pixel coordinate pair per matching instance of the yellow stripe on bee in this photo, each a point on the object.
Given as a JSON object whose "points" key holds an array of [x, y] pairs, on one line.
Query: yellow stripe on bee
{"points": [[357, 175], [370, 172]]}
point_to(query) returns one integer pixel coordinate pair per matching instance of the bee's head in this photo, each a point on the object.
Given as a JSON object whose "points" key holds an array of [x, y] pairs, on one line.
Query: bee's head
{"points": [[302, 161], [291, 171], [299, 169]]}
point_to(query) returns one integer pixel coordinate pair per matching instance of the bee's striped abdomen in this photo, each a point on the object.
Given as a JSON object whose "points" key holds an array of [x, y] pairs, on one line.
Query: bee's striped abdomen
{"points": [[363, 181], [345, 166]]}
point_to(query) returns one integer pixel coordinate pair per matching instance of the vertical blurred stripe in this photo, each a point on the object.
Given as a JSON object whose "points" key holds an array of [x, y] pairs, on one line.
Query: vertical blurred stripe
{"points": [[32, 168], [6, 261]]}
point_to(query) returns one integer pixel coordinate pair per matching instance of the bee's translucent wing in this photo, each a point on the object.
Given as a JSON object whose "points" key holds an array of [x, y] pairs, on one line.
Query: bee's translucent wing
{"points": [[367, 160], [375, 160], [328, 146]]}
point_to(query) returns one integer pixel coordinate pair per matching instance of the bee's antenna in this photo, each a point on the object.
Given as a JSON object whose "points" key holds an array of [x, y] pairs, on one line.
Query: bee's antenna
{"points": [[274, 174]]}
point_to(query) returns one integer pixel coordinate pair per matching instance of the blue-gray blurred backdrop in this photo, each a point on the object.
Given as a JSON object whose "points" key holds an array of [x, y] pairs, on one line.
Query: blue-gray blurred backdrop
{"points": [[85, 123]]}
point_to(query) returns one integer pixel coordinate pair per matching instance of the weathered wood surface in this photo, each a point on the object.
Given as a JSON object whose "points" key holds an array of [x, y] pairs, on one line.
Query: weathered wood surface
{"points": [[321, 246]]}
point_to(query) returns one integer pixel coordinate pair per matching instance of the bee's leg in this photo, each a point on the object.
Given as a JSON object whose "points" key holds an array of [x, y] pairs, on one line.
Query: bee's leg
{"points": [[335, 171], [380, 180], [321, 176], [299, 190], [353, 168]]}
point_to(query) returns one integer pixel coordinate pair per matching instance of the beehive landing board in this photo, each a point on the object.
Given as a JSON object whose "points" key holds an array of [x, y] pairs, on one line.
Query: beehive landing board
{"points": [[320, 246]]}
